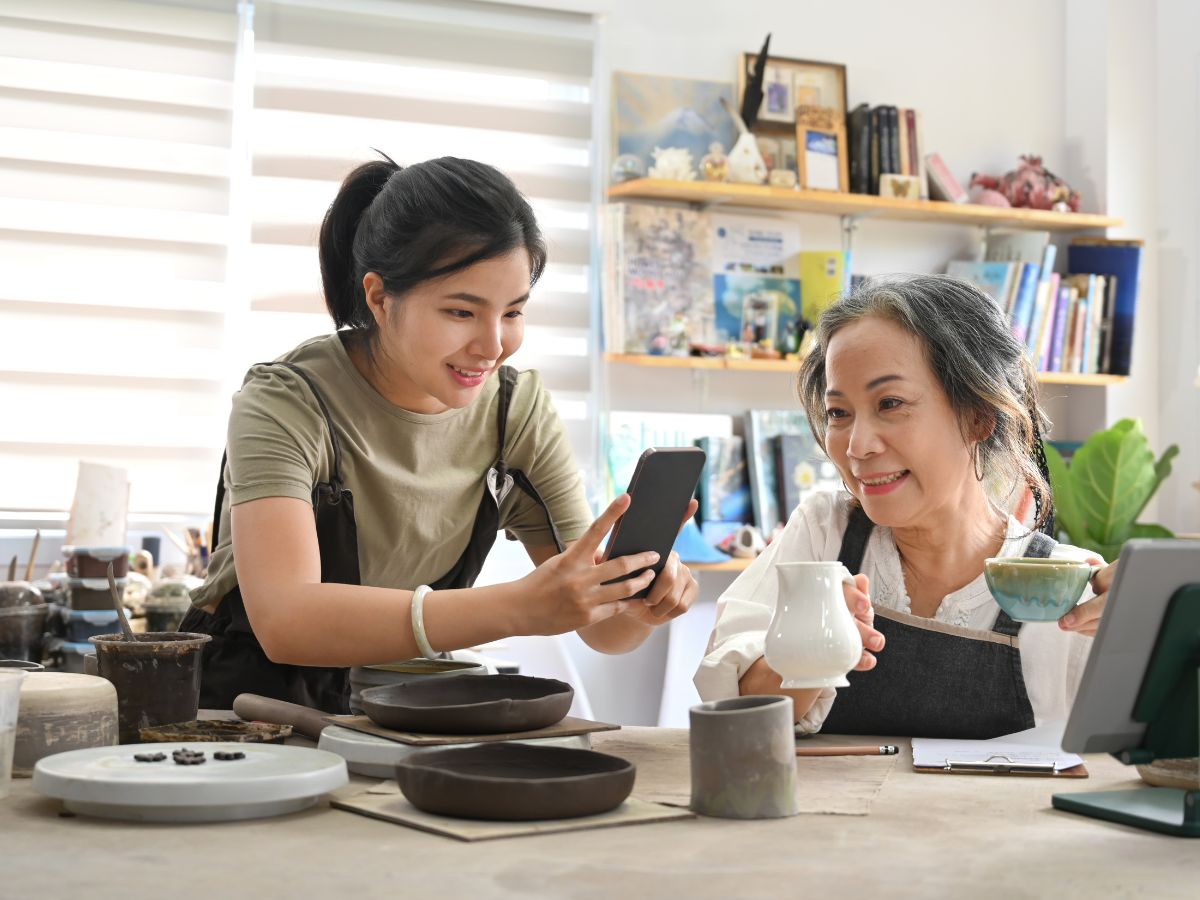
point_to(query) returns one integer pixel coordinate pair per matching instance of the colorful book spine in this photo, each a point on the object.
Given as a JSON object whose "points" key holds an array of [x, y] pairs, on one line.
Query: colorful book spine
{"points": [[1085, 348], [942, 183], [1041, 357], [1078, 334], [1058, 329], [1023, 306]]}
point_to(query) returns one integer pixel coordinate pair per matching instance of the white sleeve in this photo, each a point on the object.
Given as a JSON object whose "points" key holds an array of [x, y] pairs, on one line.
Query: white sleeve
{"points": [[745, 610]]}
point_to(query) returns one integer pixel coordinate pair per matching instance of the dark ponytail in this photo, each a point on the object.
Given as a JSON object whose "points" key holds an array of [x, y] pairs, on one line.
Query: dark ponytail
{"points": [[416, 223]]}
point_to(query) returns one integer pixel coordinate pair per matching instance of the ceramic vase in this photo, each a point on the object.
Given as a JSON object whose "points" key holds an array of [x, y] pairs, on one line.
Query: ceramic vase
{"points": [[813, 640], [746, 164]]}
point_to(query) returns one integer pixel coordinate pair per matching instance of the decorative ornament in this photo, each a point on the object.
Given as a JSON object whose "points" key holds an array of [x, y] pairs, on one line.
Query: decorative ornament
{"points": [[674, 163], [714, 165]]}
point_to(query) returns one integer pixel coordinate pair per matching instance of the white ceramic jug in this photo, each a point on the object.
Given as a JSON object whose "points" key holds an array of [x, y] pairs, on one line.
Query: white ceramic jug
{"points": [[813, 640]]}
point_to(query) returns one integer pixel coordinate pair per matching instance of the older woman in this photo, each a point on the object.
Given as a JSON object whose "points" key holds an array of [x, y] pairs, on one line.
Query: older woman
{"points": [[927, 405]]}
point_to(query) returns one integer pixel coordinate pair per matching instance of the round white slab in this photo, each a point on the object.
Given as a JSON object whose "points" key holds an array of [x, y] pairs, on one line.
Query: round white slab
{"points": [[376, 757], [108, 782]]}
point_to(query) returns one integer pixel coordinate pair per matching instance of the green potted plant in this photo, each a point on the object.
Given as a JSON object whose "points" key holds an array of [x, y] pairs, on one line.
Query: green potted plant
{"points": [[1110, 479]]}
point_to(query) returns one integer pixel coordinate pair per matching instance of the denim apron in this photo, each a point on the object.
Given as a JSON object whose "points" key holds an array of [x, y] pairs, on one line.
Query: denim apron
{"points": [[932, 679], [234, 661]]}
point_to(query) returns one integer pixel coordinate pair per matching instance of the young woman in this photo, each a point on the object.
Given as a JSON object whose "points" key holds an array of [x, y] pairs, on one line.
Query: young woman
{"points": [[927, 405], [368, 471]]}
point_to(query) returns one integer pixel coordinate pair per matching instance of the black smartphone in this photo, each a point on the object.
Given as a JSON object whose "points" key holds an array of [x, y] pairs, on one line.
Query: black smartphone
{"points": [[663, 483]]}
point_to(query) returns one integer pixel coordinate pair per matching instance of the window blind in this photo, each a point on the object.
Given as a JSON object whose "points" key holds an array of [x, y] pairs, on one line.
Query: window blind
{"points": [[164, 167], [504, 85], [114, 157]]}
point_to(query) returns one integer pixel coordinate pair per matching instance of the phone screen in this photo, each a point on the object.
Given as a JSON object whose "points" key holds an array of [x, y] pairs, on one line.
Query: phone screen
{"points": [[663, 483]]}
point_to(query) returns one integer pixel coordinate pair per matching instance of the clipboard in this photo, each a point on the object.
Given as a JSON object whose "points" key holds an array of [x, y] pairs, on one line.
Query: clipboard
{"points": [[999, 764]]}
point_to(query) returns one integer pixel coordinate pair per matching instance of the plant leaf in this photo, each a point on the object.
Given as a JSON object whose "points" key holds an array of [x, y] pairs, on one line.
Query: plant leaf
{"points": [[1150, 531], [1066, 507], [1113, 475], [1162, 469]]}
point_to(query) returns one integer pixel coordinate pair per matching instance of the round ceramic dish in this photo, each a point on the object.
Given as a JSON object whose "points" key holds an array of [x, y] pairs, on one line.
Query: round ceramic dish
{"points": [[496, 704], [510, 782], [366, 677], [1183, 774], [109, 783], [376, 757]]}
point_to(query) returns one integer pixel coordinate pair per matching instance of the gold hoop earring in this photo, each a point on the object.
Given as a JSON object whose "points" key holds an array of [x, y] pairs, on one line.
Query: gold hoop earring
{"points": [[975, 463]]}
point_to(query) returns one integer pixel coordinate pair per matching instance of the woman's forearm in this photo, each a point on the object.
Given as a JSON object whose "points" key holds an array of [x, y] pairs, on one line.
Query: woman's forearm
{"points": [[349, 625], [762, 679]]}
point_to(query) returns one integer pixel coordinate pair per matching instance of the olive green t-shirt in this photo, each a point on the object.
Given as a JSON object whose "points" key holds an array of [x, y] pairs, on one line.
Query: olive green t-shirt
{"points": [[417, 479]]}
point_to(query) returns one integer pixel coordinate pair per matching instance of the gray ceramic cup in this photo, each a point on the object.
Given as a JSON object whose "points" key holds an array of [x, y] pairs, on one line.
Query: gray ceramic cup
{"points": [[744, 758]]}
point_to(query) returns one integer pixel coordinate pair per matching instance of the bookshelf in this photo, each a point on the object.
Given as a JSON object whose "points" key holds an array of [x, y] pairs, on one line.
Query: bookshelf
{"points": [[753, 196], [790, 367], [850, 208]]}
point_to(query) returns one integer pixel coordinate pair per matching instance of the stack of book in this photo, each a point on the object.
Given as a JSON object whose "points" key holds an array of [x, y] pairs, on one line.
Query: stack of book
{"points": [[1080, 322], [884, 139]]}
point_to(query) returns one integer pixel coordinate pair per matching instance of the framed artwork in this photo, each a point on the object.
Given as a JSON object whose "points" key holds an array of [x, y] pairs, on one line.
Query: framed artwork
{"points": [[653, 111], [821, 157], [788, 83]]}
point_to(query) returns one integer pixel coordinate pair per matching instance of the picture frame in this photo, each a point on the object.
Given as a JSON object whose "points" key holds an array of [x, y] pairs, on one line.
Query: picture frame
{"points": [[788, 83], [760, 314], [822, 159]]}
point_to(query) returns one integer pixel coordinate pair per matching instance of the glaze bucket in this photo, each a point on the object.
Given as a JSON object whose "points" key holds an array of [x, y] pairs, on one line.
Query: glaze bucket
{"points": [[157, 678]]}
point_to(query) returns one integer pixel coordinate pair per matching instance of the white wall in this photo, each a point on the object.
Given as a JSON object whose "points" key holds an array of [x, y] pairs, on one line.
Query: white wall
{"points": [[1177, 238], [1074, 80]]}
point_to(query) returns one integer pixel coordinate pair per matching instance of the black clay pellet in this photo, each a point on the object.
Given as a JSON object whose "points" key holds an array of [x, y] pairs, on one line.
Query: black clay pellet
{"points": [[225, 755], [149, 757], [186, 757]]}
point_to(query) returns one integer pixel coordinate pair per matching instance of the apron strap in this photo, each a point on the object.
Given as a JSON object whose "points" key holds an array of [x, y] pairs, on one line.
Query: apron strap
{"points": [[508, 383], [854, 541]]}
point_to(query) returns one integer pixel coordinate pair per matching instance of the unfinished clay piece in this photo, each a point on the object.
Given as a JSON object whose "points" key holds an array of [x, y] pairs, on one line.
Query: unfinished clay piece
{"points": [[493, 704], [514, 782]]}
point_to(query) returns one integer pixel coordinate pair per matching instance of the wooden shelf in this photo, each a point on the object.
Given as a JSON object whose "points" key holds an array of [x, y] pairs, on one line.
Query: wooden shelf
{"points": [[1077, 378], [733, 564], [791, 367], [866, 205]]}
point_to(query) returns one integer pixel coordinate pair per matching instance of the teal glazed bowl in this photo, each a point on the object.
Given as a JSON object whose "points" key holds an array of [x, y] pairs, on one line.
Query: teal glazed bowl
{"points": [[1037, 590]]}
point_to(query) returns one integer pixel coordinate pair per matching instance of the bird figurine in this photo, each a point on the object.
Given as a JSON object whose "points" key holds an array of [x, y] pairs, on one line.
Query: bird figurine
{"points": [[752, 98]]}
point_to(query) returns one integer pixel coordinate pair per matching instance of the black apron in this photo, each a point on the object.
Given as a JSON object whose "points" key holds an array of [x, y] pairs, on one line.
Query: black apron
{"points": [[931, 679], [234, 661]]}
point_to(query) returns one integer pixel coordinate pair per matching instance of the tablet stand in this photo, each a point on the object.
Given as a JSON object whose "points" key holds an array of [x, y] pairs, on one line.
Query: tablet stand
{"points": [[1169, 704]]}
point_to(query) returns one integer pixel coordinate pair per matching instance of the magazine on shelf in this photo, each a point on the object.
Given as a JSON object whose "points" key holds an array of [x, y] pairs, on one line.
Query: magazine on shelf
{"points": [[816, 473], [724, 490]]}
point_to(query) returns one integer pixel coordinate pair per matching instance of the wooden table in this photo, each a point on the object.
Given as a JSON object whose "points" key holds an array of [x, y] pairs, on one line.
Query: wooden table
{"points": [[925, 836]]}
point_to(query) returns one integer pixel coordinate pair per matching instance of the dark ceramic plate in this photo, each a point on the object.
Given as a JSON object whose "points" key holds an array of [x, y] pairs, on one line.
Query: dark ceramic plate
{"points": [[511, 782], [491, 704]]}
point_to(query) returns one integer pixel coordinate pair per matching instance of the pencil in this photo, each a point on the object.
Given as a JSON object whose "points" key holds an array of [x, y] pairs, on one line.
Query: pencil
{"points": [[877, 750]]}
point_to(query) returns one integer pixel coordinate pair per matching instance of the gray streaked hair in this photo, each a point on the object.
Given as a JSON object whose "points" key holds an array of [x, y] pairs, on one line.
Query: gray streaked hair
{"points": [[984, 370]]}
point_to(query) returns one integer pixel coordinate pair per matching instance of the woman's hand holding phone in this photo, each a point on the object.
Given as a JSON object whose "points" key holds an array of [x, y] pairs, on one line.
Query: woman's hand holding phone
{"points": [[568, 591], [673, 592]]}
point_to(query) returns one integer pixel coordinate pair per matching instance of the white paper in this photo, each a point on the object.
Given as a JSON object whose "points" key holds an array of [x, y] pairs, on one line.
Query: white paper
{"points": [[1037, 746], [100, 510]]}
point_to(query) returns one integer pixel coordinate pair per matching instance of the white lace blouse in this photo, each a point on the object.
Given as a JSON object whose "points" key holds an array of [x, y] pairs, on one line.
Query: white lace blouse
{"points": [[1052, 659]]}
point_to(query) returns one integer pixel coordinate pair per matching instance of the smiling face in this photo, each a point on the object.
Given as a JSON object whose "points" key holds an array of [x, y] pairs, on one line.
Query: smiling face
{"points": [[891, 430], [440, 341]]}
